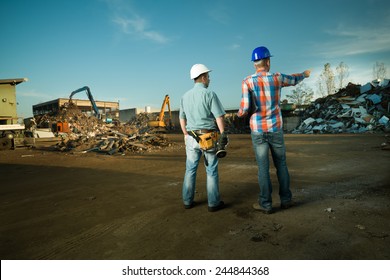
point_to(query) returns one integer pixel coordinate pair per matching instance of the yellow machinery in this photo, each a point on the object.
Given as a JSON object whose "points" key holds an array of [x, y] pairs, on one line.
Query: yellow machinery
{"points": [[161, 122]]}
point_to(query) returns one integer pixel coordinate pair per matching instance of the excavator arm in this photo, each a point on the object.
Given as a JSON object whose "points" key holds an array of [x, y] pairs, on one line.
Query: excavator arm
{"points": [[90, 97], [160, 122]]}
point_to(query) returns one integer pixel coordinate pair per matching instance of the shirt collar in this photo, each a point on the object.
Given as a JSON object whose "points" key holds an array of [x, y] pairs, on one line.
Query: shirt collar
{"points": [[199, 85], [262, 72]]}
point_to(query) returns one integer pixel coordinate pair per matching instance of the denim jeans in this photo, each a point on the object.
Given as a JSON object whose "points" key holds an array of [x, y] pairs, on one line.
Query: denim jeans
{"points": [[262, 143], [194, 154]]}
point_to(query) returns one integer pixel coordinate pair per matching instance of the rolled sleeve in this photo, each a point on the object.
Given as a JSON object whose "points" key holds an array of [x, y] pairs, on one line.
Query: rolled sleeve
{"points": [[244, 104]]}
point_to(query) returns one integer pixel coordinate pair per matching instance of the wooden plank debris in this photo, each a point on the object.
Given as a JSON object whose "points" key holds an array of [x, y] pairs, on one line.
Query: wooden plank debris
{"points": [[89, 134]]}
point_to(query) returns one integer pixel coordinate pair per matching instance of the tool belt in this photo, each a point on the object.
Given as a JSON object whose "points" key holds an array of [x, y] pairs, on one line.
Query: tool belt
{"points": [[206, 140]]}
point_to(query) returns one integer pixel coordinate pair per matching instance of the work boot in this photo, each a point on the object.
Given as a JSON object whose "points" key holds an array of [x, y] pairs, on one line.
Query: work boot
{"points": [[286, 205], [220, 206], [258, 207], [189, 206]]}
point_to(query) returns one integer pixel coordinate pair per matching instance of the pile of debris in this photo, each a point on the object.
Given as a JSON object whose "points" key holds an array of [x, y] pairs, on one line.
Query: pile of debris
{"points": [[88, 133], [354, 109]]}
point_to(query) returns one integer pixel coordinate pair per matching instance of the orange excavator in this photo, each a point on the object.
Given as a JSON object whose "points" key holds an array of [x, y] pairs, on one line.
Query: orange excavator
{"points": [[160, 123]]}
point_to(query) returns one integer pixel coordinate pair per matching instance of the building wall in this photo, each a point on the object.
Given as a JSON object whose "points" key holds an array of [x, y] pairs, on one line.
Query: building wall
{"points": [[8, 104], [46, 107], [105, 107], [290, 123], [128, 114]]}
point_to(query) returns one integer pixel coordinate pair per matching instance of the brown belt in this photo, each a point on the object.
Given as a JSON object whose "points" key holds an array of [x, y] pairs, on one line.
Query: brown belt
{"points": [[203, 131]]}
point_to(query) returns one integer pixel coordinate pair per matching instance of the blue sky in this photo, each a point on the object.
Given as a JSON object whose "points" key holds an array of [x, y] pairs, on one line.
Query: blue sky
{"points": [[137, 51]]}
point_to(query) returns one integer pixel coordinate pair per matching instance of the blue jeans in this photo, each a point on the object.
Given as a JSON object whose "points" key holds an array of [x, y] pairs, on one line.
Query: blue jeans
{"points": [[262, 143], [194, 154]]}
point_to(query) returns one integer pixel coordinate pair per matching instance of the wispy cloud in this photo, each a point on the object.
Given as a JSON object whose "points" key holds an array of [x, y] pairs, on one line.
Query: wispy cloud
{"points": [[234, 46], [138, 26], [218, 11], [133, 24], [357, 40]]}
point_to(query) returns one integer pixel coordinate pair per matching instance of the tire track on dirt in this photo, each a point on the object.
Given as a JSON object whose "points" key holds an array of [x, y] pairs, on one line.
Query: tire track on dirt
{"points": [[56, 249], [125, 226]]}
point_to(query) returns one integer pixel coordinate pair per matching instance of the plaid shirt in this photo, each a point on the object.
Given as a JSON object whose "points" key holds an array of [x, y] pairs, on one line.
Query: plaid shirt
{"points": [[264, 89]]}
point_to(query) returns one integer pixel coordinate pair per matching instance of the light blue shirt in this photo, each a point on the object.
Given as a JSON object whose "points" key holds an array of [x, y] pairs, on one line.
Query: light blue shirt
{"points": [[199, 107]]}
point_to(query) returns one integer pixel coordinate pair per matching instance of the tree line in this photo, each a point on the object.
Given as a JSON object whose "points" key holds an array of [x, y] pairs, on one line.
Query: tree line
{"points": [[329, 82]]}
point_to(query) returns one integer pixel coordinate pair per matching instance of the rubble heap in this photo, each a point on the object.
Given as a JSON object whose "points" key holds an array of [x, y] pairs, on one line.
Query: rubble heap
{"points": [[87, 133], [353, 109]]}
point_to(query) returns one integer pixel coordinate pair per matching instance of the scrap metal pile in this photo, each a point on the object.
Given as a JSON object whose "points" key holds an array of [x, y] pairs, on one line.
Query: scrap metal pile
{"points": [[354, 109], [87, 133]]}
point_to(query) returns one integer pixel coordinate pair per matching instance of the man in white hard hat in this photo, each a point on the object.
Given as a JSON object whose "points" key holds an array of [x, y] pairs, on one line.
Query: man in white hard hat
{"points": [[262, 91], [201, 114]]}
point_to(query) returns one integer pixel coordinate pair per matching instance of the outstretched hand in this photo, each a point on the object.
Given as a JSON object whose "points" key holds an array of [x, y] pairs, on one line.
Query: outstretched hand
{"points": [[307, 73]]}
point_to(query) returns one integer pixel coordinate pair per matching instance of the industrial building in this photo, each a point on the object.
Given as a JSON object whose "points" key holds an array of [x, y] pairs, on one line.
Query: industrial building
{"points": [[106, 108], [8, 102], [10, 126]]}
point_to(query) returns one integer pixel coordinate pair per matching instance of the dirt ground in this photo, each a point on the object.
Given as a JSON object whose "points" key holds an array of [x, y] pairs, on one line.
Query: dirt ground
{"points": [[57, 205]]}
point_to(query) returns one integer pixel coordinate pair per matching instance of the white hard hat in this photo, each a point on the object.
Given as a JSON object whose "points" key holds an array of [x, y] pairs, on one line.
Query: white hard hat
{"points": [[197, 70]]}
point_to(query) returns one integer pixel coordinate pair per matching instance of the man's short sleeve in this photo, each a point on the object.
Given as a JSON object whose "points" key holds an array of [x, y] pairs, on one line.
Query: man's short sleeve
{"points": [[216, 106]]}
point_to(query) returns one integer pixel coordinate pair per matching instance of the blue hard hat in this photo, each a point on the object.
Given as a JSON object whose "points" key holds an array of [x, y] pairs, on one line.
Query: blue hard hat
{"points": [[260, 53]]}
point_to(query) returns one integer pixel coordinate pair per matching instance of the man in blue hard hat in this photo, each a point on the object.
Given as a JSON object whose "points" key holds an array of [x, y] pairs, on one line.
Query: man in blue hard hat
{"points": [[262, 91]]}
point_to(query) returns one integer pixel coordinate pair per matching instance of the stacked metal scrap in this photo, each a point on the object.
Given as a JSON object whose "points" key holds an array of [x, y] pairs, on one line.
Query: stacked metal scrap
{"points": [[88, 133], [354, 109]]}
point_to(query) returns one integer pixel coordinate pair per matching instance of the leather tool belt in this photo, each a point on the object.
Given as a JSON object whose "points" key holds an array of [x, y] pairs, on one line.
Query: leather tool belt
{"points": [[206, 140]]}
